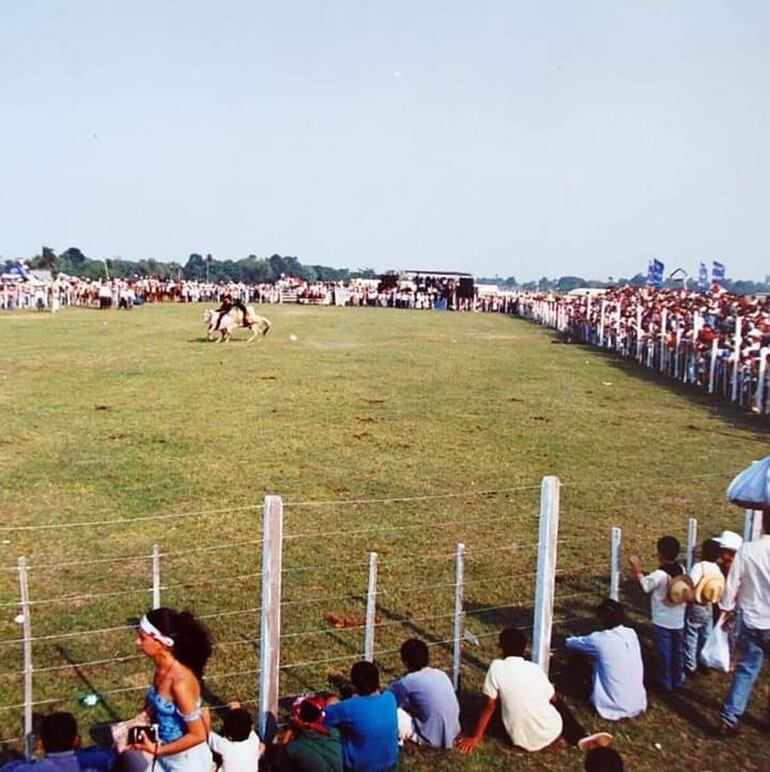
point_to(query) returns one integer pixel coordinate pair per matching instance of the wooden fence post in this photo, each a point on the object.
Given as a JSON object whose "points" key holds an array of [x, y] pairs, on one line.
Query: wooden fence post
{"points": [[371, 609], [155, 576], [615, 545], [692, 542], [546, 572], [29, 738], [752, 526], [737, 362], [759, 396], [458, 616], [713, 364], [270, 627]]}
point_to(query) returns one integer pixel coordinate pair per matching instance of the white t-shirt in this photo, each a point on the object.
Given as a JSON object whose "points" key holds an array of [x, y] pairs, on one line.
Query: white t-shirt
{"points": [[525, 696], [240, 756], [663, 615]]}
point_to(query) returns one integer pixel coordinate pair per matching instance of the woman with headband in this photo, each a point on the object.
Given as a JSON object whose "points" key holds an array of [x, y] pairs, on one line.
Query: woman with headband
{"points": [[179, 645]]}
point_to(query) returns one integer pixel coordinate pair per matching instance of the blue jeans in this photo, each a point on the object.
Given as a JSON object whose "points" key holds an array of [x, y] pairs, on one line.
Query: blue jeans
{"points": [[670, 646], [694, 638], [752, 647]]}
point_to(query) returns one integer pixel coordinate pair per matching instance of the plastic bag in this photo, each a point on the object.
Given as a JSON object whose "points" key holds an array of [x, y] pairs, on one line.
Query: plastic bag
{"points": [[716, 651]]}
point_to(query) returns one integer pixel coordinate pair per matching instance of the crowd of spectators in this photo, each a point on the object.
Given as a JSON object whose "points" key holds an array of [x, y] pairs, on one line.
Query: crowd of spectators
{"points": [[366, 725], [705, 338], [419, 294]]}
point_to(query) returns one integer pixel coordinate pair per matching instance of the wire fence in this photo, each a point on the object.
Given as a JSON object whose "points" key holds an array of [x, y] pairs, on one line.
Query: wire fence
{"points": [[345, 594]]}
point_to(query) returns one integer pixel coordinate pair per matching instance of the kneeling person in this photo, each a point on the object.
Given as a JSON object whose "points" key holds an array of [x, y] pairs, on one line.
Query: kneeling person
{"points": [[428, 711], [367, 722], [533, 714]]}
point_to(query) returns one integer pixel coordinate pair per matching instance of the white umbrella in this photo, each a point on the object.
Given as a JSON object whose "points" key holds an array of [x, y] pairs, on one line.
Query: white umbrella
{"points": [[751, 488]]}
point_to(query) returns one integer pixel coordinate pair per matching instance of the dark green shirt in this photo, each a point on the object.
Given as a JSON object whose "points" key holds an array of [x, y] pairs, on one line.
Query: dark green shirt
{"points": [[316, 752]]}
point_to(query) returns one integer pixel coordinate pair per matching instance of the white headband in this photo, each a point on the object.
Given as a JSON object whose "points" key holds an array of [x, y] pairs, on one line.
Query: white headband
{"points": [[148, 628]]}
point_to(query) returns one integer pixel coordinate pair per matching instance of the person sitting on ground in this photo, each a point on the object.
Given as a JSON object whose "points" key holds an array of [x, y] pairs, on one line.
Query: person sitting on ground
{"points": [[667, 618], [238, 745], [310, 746], [709, 583], [367, 721], [428, 710], [533, 714], [61, 745], [618, 673], [603, 760]]}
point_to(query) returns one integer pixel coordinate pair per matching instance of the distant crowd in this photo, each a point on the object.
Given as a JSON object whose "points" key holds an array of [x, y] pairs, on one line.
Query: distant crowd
{"points": [[697, 318], [367, 724], [717, 340], [425, 293]]}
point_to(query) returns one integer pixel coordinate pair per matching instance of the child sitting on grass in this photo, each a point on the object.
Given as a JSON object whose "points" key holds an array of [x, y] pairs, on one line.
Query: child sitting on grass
{"points": [[238, 745]]}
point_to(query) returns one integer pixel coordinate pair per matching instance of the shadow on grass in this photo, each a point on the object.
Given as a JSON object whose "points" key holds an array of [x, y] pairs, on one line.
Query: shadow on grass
{"points": [[735, 416]]}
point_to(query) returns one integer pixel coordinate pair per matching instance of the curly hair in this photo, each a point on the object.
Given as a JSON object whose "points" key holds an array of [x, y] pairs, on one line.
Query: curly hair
{"points": [[192, 640]]}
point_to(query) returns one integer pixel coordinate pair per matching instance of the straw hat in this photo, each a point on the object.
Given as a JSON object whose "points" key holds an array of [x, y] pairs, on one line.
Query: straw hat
{"points": [[710, 588], [680, 590]]}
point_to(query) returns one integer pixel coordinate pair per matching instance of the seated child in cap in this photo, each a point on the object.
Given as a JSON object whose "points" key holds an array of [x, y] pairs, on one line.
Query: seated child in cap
{"points": [[667, 619], [699, 617], [310, 745], [238, 745]]}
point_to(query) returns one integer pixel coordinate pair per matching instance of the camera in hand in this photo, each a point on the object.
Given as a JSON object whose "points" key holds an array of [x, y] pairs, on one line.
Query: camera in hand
{"points": [[137, 733]]}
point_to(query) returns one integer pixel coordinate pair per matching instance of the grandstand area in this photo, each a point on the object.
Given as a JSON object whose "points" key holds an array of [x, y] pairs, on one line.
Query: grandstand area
{"points": [[391, 431]]}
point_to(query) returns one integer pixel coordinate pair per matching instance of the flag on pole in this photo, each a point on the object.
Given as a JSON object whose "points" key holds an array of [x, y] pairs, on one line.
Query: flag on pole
{"points": [[703, 277], [717, 272], [655, 273]]}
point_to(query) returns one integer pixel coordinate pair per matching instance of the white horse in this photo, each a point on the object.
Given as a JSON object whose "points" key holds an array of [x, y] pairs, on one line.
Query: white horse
{"points": [[258, 325]]}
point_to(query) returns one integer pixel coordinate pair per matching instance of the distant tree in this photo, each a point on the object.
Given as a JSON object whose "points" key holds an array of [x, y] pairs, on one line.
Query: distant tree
{"points": [[73, 256], [277, 267], [48, 260], [529, 286], [638, 280], [544, 284], [195, 267], [567, 283]]}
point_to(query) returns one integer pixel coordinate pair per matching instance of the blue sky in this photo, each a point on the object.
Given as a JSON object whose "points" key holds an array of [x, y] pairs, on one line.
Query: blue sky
{"points": [[494, 137]]}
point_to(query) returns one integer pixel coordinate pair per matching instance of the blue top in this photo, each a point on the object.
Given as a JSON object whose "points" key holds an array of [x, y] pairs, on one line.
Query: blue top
{"points": [[618, 684], [171, 723], [369, 729], [81, 760], [427, 695]]}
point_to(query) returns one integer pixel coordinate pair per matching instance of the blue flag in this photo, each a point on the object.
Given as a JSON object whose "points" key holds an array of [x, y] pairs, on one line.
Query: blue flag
{"points": [[717, 272], [703, 277], [655, 273]]}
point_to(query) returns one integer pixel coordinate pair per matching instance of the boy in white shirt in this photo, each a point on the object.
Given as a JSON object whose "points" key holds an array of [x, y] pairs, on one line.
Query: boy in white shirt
{"points": [[667, 619], [238, 745]]}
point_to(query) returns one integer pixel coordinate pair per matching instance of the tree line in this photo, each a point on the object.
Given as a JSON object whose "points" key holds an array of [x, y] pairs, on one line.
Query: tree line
{"points": [[249, 270], [265, 270], [567, 283]]}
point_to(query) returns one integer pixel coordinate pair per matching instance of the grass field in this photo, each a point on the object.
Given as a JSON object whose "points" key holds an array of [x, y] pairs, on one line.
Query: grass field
{"points": [[443, 424]]}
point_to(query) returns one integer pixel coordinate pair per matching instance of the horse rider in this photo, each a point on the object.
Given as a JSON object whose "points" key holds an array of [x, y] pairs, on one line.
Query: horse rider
{"points": [[228, 303]]}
